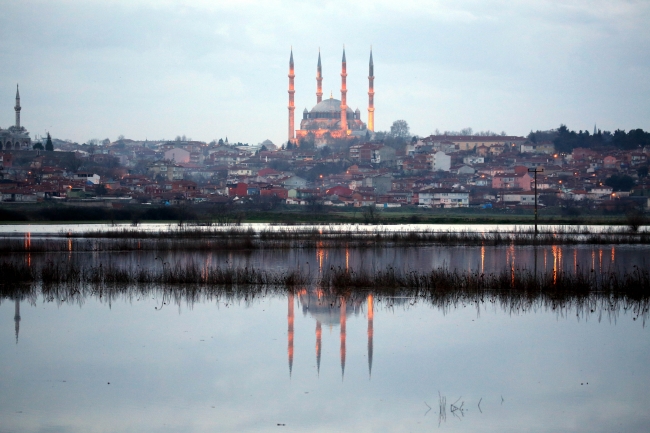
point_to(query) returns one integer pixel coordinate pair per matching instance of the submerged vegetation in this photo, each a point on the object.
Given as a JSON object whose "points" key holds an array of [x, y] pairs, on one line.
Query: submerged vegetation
{"points": [[240, 238]]}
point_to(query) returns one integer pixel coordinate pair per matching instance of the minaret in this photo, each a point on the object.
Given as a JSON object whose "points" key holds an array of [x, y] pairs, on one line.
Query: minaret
{"points": [[344, 91], [17, 318], [371, 314], [292, 108], [319, 333], [371, 94], [342, 320], [290, 332], [319, 81], [17, 107]]}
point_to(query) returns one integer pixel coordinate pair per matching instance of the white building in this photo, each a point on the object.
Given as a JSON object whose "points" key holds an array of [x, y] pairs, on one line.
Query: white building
{"points": [[523, 198], [177, 155], [88, 177], [450, 199], [440, 161], [473, 159]]}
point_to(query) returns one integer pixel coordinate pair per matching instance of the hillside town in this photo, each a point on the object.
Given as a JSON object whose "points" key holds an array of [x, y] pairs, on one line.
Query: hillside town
{"points": [[438, 171]]}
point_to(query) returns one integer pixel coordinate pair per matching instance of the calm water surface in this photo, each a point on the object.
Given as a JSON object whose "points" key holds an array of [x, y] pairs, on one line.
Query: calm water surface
{"points": [[365, 365], [303, 362]]}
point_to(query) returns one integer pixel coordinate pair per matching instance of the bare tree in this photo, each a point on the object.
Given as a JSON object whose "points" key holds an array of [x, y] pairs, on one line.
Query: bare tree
{"points": [[400, 129]]}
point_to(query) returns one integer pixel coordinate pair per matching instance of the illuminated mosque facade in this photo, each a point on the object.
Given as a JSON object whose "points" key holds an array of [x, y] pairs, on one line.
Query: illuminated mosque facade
{"points": [[331, 119]]}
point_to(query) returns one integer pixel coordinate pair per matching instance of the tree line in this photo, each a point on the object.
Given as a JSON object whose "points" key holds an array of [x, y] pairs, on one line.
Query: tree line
{"points": [[565, 140]]}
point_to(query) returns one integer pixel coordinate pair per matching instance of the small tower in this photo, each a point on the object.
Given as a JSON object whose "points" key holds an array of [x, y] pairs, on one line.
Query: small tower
{"points": [[344, 91], [319, 81], [292, 108], [17, 108], [371, 94]]}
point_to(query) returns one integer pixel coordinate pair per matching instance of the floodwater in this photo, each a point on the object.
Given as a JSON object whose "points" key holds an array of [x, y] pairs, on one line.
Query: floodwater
{"points": [[293, 364], [309, 362]]}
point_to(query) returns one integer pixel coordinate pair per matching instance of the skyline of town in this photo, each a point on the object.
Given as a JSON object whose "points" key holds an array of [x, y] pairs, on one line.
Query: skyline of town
{"points": [[211, 70]]}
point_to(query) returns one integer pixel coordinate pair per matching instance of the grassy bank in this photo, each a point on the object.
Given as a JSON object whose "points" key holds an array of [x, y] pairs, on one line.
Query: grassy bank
{"points": [[283, 214]]}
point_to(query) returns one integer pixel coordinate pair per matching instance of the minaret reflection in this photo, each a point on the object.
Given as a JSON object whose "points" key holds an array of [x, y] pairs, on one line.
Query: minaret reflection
{"points": [[332, 310], [342, 322], [17, 318], [371, 314], [290, 332], [319, 334]]}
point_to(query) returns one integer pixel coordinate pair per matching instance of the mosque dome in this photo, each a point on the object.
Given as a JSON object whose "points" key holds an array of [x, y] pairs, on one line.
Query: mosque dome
{"points": [[328, 106]]}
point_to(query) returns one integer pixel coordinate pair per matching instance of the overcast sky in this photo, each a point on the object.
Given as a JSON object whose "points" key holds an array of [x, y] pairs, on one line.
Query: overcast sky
{"points": [[210, 69]]}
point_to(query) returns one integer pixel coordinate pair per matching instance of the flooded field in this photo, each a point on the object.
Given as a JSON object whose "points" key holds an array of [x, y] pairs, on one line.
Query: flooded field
{"points": [[300, 357]]}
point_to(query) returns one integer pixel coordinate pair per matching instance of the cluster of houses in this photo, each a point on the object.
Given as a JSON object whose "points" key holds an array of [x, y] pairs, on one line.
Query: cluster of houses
{"points": [[437, 171]]}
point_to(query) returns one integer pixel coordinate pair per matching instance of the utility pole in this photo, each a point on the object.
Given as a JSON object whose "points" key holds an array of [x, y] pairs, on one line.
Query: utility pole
{"points": [[536, 170]]}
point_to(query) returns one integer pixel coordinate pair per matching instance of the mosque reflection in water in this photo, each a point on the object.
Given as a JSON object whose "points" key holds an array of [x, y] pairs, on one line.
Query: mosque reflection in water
{"points": [[330, 311]]}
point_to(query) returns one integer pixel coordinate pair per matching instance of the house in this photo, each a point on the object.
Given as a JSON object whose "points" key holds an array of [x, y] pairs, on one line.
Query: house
{"points": [[371, 153], [545, 147], [447, 198], [512, 181], [294, 182], [87, 177], [177, 155], [440, 161], [166, 170], [521, 198], [473, 159]]}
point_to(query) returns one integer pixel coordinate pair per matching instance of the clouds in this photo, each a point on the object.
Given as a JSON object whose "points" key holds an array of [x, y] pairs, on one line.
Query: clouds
{"points": [[210, 69]]}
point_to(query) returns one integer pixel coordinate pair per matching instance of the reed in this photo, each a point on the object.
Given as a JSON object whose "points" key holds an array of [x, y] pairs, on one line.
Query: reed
{"points": [[515, 291], [634, 284], [242, 239]]}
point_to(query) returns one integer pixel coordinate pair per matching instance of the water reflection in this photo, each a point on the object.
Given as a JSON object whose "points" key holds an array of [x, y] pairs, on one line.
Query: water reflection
{"points": [[482, 259], [209, 368], [17, 318], [332, 311]]}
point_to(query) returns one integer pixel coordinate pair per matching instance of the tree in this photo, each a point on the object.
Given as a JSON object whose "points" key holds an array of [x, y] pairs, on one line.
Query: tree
{"points": [[38, 146], [400, 129], [621, 182], [48, 144], [101, 190]]}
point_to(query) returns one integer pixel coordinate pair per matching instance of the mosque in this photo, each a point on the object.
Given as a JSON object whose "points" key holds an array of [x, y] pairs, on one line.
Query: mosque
{"points": [[15, 137], [331, 119]]}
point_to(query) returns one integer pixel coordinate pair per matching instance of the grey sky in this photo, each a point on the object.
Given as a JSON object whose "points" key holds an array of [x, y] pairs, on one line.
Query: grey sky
{"points": [[210, 69]]}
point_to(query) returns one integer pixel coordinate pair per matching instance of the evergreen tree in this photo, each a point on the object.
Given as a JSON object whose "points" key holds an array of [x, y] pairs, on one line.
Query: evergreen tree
{"points": [[38, 146], [48, 144]]}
